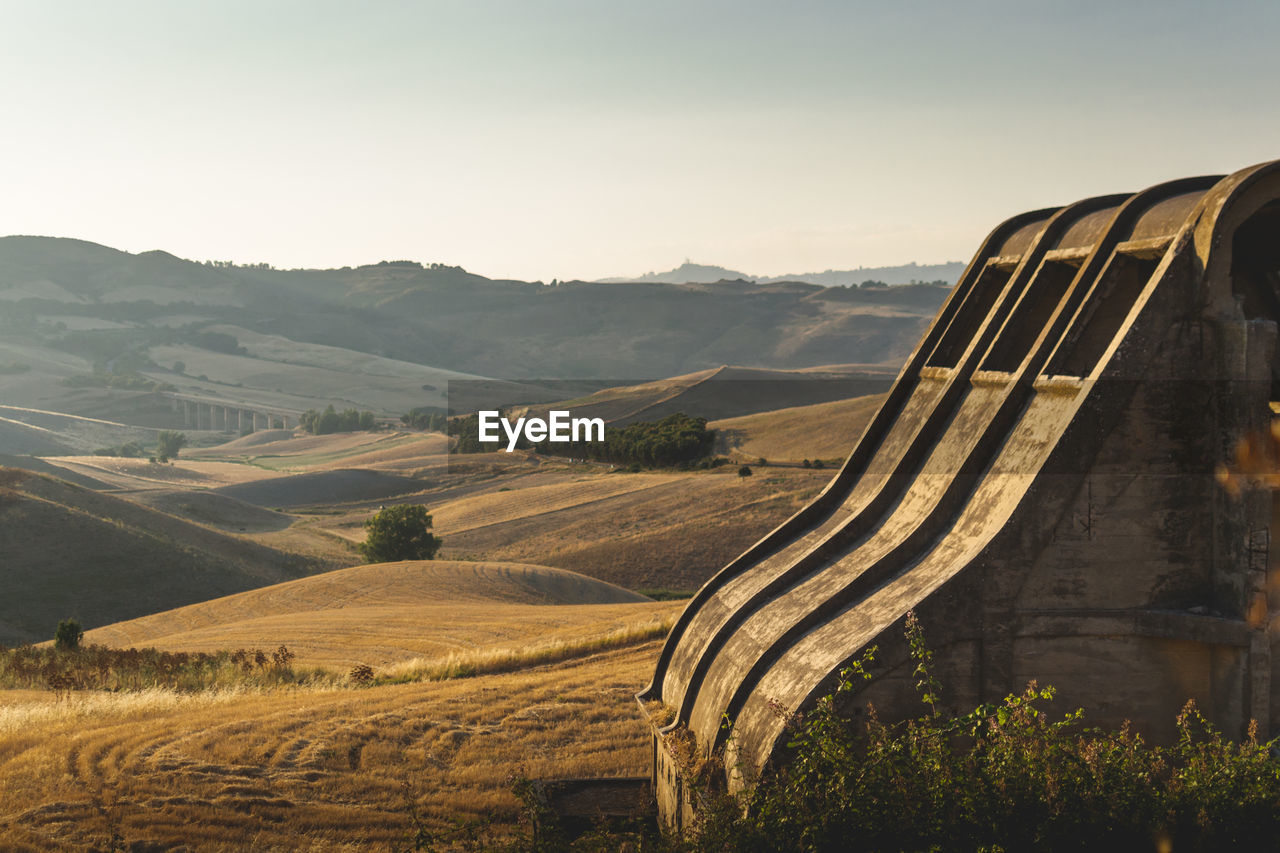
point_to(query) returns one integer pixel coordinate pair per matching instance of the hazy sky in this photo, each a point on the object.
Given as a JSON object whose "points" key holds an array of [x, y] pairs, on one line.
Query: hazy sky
{"points": [[561, 139]]}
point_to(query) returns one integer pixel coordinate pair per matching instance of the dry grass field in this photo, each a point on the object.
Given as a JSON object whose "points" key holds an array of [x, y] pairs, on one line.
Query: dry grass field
{"points": [[824, 431], [554, 657], [67, 551], [282, 450], [130, 474], [670, 530], [654, 530], [39, 431], [392, 612], [310, 770], [725, 392]]}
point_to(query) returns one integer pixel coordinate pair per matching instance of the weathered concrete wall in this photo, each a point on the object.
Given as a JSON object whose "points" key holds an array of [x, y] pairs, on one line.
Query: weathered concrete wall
{"points": [[1039, 487]]}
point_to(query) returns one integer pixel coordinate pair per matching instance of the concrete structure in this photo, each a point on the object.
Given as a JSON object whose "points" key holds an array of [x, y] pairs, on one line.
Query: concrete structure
{"points": [[1039, 488], [207, 413]]}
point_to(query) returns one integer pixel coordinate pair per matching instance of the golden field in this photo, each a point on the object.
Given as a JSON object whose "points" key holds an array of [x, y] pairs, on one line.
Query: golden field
{"points": [[391, 612], [826, 431], [310, 769], [517, 654]]}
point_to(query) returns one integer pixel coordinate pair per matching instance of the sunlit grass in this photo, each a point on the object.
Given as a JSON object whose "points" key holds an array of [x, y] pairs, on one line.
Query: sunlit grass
{"points": [[499, 660]]}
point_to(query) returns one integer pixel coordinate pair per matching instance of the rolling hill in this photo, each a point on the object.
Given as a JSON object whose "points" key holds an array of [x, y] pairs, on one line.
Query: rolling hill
{"points": [[385, 336], [726, 392], [651, 531], [826, 431], [895, 275], [388, 612], [71, 552]]}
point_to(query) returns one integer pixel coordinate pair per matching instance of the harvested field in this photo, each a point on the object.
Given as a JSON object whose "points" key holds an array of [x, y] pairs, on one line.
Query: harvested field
{"points": [[667, 531], [282, 443], [69, 551], [823, 431], [726, 392], [481, 510], [327, 488], [42, 466], [27, 440], [315, 770], [35, 431], [213, 509], [286, 451], [382, 613], [125, 473]]}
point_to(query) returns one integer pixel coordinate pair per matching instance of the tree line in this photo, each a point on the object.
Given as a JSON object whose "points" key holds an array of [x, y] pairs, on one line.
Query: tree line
{"points": [[331, 421], [676, 440]]}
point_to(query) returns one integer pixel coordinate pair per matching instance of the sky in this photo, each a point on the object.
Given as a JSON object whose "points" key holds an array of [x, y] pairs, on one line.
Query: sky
{"points": [[563, 139]]}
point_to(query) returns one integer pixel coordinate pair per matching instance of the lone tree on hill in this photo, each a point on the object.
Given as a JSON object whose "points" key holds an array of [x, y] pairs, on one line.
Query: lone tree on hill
{"points": [[68, 636], [168, 443], [401, 532]]}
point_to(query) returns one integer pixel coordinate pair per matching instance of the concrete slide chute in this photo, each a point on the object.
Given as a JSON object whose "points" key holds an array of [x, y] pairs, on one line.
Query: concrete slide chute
{"points": [[1057, 379]]}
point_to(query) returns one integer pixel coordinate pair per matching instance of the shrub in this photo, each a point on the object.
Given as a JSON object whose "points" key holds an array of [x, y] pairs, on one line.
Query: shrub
{"points": [[1003, 776], [744, 471], [169, 443], [68, 636], [401, 532]]}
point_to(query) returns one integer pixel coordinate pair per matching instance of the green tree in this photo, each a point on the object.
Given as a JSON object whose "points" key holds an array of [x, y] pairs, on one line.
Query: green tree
{"points": [[168, 443], [68, 636], [400, 532], [744, 471]]}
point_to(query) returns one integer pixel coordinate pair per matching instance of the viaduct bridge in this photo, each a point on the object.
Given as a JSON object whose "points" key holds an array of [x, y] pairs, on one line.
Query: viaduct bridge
{"points": [[211, 413]]}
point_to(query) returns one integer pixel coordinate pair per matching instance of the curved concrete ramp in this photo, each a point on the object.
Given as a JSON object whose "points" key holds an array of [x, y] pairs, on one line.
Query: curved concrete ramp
{"points": [[1039, 487]]}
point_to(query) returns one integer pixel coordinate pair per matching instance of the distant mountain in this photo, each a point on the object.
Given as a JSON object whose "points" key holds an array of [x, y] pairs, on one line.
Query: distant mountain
{"points": [[686, 273], [690, 273], [66, 304]]}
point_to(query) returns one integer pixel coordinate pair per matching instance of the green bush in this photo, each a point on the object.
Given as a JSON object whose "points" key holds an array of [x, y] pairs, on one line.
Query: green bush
{"points": [[68, 636], [1005, 776], [401, 532], [169, 443]]}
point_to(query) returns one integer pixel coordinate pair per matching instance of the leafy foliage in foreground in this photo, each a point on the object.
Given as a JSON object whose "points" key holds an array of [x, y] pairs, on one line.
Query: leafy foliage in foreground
{"points": [[1001, 777]]}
